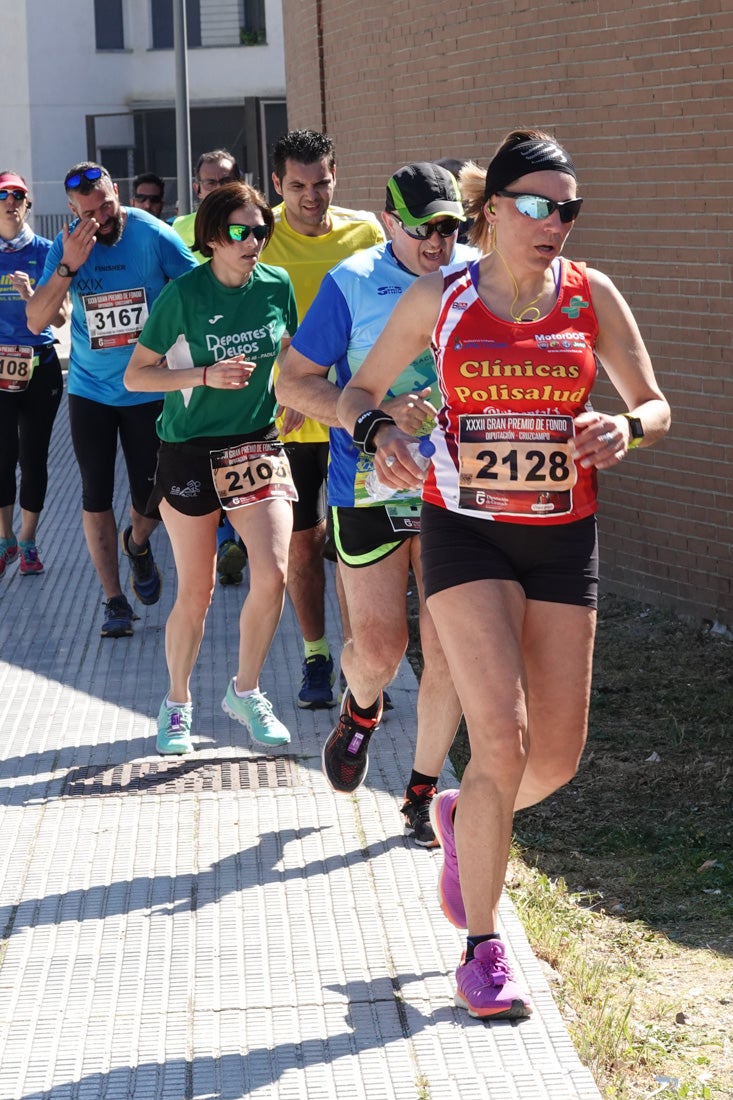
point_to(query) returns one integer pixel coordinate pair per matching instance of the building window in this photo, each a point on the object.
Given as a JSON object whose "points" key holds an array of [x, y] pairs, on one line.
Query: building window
{"points": [[109, 29], [253, 29], [162, 20]]}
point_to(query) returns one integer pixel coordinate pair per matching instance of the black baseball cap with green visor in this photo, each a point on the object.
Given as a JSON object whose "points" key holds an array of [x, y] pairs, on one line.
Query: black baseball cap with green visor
{"points": [[421, 191]]}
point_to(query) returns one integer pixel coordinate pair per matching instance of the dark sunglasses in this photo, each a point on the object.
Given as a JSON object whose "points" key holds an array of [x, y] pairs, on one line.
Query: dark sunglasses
{"points": [[538, 207], [18, 195], [241, 232], [72, 182], [445, 228], [148, 198]]}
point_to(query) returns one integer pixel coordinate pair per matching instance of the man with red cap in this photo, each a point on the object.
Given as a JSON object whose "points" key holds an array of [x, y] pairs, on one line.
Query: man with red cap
{"points": [[30, 379]]}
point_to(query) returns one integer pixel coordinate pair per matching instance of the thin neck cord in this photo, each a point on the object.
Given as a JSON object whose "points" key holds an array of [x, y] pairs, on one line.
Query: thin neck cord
{"points": [[531, 307]]}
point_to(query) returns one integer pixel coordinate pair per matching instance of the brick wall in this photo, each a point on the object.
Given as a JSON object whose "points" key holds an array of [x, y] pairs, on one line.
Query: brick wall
{"points": [[640, 92]]}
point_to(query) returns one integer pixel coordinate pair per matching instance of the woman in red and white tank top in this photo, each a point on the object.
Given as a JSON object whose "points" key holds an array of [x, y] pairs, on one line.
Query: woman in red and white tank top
{"points": [[509, 547]]}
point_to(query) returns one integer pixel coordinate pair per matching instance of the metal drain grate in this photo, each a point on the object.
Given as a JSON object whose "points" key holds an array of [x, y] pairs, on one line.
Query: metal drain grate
{"points": [[176, 776]]}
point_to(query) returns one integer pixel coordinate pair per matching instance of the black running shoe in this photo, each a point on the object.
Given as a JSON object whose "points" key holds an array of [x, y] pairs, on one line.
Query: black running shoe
{"points": [[416, 811], [315, 689], [118, 616], [144, 575], [345, 755]]}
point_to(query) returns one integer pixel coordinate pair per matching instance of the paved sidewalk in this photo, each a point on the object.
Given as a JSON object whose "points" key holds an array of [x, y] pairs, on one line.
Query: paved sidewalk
{"points": [[221, 926]]}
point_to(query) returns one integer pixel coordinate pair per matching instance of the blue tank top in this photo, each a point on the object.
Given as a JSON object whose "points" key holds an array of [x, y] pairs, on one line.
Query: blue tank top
{"points": [[13, 326]]}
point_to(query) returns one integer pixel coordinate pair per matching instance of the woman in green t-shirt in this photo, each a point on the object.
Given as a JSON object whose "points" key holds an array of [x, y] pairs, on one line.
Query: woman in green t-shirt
{"points": [[209, 345]]}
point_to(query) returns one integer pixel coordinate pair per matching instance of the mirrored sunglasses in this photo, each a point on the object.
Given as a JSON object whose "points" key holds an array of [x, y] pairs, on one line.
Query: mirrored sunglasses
{"points": [[17, 194], [445, 228], [72, 182], [241, 232], [538, 207]]}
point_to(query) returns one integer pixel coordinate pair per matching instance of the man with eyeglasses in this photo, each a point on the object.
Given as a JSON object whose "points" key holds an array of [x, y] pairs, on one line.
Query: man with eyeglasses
{"points": [[148, 193], [378, 542], [212, 169], [113, 261]]}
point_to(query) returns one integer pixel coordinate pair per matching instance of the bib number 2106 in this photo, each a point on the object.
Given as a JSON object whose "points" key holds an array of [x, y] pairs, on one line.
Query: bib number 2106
{"points": [[251, 472]]}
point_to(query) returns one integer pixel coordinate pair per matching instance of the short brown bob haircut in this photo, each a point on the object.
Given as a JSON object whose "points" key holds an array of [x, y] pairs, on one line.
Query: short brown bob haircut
{"points": [[212, 217]]}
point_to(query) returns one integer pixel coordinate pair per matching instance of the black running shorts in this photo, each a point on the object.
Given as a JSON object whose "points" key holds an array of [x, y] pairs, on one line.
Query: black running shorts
{"points": [[363, 536], [309, 467], [555, 564], [95, 430], [183, 475]]}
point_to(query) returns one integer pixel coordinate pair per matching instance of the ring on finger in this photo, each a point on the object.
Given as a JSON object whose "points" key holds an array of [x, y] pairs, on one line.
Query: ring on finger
{"points": [[390, 460], [607, 437]]}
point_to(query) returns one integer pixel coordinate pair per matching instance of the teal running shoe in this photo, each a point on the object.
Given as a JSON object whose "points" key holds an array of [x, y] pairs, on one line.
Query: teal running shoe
{"points": [[255, 712], [174, 729]]}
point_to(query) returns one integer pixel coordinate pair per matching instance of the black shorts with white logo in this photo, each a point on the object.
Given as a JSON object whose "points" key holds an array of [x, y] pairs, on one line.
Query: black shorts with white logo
{"points": [[183, 475]]}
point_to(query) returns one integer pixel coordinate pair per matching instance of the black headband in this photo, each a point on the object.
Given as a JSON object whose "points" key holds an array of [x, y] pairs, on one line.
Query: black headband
{"points": [[532, 155]]}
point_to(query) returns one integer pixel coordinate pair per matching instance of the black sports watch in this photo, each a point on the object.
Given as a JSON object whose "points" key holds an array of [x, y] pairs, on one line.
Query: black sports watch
{"points": [[636, 429], [65, 271]]}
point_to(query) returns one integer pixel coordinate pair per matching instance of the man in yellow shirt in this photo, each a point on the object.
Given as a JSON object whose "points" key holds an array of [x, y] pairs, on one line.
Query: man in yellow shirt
{"points": [[311, 236]]}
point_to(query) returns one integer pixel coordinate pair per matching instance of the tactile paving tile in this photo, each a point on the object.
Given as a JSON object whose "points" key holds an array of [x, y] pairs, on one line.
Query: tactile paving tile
{"points": [[223, 926], [179, 775]]}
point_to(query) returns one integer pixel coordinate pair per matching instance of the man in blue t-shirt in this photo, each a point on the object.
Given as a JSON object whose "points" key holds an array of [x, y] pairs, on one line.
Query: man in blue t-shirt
{"points": [[113, 261], [378, 543]]}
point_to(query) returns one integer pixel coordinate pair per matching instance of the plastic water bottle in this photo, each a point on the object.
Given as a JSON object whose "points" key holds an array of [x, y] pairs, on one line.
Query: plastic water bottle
{"points": [[421, 452]]}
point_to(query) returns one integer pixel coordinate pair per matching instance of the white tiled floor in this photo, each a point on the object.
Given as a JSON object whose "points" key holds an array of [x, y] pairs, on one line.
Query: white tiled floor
{"points": [[198, 945]]}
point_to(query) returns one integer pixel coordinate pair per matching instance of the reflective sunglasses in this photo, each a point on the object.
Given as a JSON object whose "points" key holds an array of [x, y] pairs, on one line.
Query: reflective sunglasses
{"points": [[538, 207], [241, 232], [18, 195], [72, 182], [445, 228]]}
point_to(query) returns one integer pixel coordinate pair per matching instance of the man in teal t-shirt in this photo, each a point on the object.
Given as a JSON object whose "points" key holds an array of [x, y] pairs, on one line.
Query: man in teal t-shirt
{"points": [[113, 261]]}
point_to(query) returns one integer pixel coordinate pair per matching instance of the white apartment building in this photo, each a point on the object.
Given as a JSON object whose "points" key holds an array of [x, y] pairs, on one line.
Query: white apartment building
{"points": [[95, 79]]}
